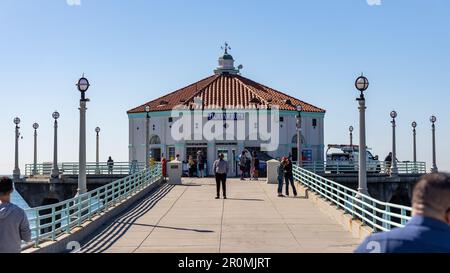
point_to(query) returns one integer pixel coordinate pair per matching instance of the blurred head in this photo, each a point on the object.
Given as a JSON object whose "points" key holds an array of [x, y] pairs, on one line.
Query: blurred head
{"points": [[431, 197], [254, 153], [221, 156], [243, 152], [6, 188]]}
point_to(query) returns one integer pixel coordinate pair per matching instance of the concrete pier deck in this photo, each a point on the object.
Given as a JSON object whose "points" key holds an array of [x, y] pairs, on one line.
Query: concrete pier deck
{"points": [[187, 218]]}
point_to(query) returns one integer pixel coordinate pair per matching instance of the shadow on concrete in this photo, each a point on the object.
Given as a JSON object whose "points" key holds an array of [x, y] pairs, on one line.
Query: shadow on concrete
{"points": [[176, 228], [106, 236], [245, 199]]}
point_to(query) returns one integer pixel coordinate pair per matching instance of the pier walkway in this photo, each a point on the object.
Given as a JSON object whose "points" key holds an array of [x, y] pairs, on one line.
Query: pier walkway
{"points": [[187, 218]]}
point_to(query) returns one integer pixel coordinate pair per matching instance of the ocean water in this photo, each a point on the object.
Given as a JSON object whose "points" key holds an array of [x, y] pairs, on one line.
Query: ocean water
{"points": [[16, 198]]}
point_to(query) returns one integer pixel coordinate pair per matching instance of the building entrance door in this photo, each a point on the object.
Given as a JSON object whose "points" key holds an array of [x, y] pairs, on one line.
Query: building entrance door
{"points": [[229, 154]]}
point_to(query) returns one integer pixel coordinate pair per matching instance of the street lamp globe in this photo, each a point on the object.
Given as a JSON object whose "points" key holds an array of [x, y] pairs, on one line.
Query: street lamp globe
{"points": [[433, 119], [393, 114], [362, 83], [299, 108], [55, 115], [147, 108], [414, 124], [97, 130], [35, 125], [16, 121], [351, 128], [83, 84]]}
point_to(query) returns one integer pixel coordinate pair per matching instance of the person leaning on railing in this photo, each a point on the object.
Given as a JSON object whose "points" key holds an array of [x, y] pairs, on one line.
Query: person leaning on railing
{"points": [[429, 228], [14, 226]]}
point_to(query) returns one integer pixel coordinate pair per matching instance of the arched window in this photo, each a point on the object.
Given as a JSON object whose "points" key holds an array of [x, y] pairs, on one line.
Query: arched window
{"points": [[294, 139], [155, 140]]}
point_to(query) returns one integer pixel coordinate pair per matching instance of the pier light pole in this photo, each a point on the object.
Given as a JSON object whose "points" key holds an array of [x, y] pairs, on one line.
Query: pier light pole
{"points": [[83, 86], [414, 125], [350, 129], [35, 127], [55, 169], [362, 83], [433, 120], [16, 172], [147, 129], [299, 135], [97, 154], [394, 169]]}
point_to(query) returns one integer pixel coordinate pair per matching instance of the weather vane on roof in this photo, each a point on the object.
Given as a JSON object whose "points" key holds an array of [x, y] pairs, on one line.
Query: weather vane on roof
{"points": [[226, 48]]}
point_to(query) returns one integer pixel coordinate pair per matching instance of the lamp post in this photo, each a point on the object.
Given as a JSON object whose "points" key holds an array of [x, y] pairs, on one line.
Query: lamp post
{"points": [[35, 127], [83, 86], [55, 169], [414, 125], [362, 83], [299, 135], [394, 169], [350, 129], [433, 119], [147, 129], [97, 154], [16, 172]]}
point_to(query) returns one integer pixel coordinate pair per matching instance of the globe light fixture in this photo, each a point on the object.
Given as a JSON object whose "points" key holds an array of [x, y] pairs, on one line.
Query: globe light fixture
{"points": [[35, 127], [394, 169], [82, 86], [55, 169], [433, 119], [16, 171], [362, 84], [299, 109]]}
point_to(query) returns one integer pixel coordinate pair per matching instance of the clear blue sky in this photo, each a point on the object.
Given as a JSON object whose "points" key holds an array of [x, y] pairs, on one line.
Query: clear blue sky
{"points": [[135, 51]]}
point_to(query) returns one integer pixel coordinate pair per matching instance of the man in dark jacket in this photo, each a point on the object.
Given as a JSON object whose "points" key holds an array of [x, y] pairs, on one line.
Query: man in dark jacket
{"points": [[14, 226], [429, 228]]}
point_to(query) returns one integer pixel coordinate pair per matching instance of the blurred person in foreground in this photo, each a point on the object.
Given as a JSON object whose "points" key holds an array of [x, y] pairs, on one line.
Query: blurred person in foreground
{"points": [[428, 230], [14, 226]]}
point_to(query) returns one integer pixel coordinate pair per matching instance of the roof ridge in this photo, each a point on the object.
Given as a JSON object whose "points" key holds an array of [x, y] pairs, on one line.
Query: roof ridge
{"points": [[275, 90], [250, 88], [197, 92]]}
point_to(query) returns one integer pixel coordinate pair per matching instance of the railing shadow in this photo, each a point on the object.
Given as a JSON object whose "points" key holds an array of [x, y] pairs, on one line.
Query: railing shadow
{"points": [[115, 229]]}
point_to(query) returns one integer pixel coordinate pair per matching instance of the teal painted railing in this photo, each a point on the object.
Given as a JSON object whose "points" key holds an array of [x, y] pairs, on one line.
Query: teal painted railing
{"points": [[405, 167], [380, 216], [69, 168], [48, 222]]}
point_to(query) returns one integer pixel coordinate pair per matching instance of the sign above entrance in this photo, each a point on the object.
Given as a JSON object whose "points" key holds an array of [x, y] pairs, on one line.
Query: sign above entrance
{"points": [[226, 116]]}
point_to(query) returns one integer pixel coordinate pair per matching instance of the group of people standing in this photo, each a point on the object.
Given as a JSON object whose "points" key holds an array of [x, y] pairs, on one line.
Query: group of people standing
{"points": [[249, 166], [285, 174], [197, 165]]}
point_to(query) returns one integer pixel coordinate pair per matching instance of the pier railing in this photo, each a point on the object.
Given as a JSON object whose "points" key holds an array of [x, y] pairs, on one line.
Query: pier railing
{"points": [[50, 221], [405, 167], [69, 168], [378, 215]]}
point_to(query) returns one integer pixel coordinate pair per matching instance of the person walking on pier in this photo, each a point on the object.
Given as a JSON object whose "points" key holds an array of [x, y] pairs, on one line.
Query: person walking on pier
{"points": [[280, 173], [110, 164], [428, 230], [220, 167], [388, 162], [289, 176], [242, 164], [255, 166], [200, 165], [14, 226]]}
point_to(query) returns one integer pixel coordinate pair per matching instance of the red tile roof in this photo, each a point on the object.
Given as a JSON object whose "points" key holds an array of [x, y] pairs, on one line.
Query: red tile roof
{"points": [[226, 91]]}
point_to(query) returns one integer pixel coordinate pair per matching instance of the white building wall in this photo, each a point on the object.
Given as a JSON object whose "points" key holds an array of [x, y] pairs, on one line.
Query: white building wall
{"points": [[159, 125]]}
